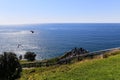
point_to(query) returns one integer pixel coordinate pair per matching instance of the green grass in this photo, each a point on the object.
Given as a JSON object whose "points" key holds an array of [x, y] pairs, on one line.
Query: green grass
{"points": [[52, 60], [96, 69], [23, 61]]}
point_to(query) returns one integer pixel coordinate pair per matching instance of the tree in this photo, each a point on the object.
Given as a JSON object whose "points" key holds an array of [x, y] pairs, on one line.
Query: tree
{"points": [[10, 67], [20, 57], [30, 56]]}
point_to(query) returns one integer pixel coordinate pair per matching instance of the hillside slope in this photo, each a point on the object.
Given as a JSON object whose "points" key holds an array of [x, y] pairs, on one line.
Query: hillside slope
{"points": [[96, 69]]}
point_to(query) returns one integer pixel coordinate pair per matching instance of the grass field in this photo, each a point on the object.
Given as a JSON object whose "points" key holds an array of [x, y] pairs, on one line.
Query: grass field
{"points": [[96, 69]]}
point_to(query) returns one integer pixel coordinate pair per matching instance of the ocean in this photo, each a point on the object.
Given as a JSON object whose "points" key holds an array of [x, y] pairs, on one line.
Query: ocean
{"points": [[52, 40]]}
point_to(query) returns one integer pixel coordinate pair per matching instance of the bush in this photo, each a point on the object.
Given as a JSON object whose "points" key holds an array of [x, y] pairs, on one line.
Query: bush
{"points": [[10, 67], [106, 55], [30, 56]]}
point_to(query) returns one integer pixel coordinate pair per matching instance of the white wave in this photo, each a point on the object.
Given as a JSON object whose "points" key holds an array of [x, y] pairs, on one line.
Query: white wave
{"points": [[16, 32], [29, 47]]}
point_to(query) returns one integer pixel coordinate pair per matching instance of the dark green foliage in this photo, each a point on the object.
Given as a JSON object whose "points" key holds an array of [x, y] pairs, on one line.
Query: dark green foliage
{"points": [[20, 57], [10, 67], [30, 56]]}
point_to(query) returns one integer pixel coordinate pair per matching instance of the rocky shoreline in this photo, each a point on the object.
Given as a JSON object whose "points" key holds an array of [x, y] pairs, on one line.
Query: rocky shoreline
{"points": [[75, 55]]}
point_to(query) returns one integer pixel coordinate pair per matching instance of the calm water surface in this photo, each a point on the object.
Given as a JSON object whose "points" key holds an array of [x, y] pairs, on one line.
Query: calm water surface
{"points": [[51, 40]]}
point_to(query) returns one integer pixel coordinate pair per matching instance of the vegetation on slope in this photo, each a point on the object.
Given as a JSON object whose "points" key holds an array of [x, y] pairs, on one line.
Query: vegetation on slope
{"points": [[10, 68], [97, 69]]}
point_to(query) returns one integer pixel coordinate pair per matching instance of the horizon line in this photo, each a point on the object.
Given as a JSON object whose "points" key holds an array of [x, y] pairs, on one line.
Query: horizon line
{"points": [[60, 23]]}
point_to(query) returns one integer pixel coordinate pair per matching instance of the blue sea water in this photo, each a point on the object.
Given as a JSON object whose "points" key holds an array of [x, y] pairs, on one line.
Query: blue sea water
{"points": [[51, 40]]}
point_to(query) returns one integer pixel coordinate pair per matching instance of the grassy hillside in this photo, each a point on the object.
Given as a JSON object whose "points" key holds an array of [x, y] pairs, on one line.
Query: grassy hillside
{"points": [[96, 69]]}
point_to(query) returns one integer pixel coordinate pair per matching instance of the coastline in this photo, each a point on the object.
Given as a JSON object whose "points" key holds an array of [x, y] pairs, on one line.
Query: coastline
{"points": [[54, 61]]}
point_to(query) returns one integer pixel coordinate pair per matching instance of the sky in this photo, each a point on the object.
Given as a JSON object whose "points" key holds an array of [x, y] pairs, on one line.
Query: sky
{"points": [[59, 11]]}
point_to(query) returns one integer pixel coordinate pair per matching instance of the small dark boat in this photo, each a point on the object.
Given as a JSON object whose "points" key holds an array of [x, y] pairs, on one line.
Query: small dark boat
{"points": [[32, 31]]}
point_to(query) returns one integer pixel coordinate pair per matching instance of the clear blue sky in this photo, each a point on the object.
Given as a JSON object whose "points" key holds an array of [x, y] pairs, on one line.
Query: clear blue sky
{"points": [[59, 11]]}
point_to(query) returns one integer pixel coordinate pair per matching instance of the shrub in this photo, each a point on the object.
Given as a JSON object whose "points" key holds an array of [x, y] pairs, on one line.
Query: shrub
{"points": [[106, 55], [20, 57], [30, 56], [10, 67]]}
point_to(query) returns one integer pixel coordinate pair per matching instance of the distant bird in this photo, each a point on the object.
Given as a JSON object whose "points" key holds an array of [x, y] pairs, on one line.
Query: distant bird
{"points": [[18, 46], [32, 31]]}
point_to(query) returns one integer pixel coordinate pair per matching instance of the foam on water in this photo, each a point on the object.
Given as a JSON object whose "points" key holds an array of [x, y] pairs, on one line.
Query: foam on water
{"points": [[16, 32]]}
